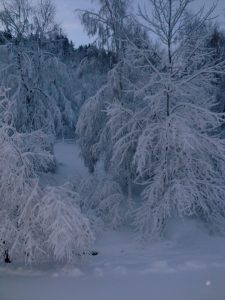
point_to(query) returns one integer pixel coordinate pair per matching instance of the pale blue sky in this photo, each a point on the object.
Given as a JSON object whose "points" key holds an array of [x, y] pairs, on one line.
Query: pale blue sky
{"points": [[72, 27]]}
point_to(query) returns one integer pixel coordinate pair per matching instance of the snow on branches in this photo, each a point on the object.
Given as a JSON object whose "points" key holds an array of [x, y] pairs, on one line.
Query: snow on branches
{"points": [[36, 224], [161, 127]]}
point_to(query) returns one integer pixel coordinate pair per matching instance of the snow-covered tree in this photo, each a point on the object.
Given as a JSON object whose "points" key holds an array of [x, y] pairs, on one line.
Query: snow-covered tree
{"points": [[90, 62], [179, 155], [22, 19], [44, 18], [41, 87], [36, 223], [161, 129], [108, 24], [16, 17], [97, 133]]}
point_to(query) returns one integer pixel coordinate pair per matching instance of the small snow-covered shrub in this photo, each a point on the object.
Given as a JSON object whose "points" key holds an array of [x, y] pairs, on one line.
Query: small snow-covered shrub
{"points": [[67, 231]]}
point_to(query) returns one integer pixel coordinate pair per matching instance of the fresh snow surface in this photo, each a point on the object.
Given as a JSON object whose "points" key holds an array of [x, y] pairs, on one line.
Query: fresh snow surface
{"points": [[188, 265]]}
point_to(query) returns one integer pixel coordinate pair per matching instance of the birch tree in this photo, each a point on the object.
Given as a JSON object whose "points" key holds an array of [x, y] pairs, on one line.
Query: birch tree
{"points": [[21, 18], [179, 156], [108, 24], [16, 17]]}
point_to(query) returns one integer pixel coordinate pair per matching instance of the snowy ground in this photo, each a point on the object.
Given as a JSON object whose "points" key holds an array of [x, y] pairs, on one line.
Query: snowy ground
{"points": [[189, 265]]}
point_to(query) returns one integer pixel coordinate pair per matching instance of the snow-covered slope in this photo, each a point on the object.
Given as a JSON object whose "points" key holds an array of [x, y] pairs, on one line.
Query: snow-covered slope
{"points": [[189, 265]]}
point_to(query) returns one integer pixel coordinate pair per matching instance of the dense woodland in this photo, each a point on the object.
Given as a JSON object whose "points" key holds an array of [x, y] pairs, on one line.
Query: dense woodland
{"points": [[146, 100]]}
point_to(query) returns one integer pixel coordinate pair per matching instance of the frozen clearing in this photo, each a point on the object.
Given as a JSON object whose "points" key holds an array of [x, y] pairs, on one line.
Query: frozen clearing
{"points": [[189, 265]]}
